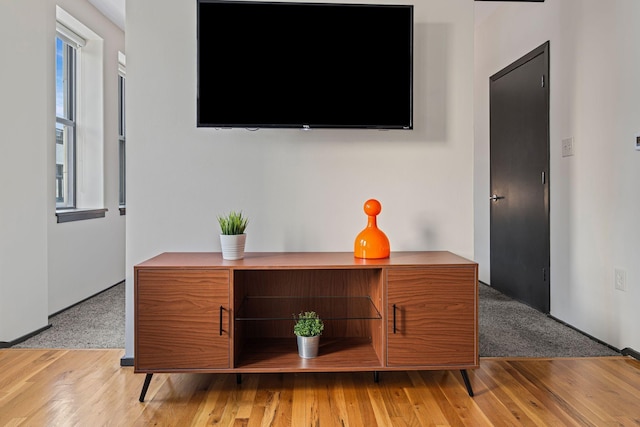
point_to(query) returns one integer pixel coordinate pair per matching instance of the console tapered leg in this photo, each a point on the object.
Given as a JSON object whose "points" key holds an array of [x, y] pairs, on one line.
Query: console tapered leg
{"points": [[467, 383], [238, 378], [145, 387], [376, 376]]}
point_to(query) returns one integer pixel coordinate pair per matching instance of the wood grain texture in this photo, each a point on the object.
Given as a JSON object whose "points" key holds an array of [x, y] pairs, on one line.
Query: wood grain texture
{"points": [[435, 310], [88, 387], [299, 260], [177, 319]]}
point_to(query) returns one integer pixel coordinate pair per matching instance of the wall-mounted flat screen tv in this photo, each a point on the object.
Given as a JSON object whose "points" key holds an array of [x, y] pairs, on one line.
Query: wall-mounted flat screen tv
{"points": [[304, 65]]}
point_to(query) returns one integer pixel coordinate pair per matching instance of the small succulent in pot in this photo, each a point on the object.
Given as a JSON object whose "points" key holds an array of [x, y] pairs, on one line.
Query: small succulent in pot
{"points": [[308, 329], [232, 235]]}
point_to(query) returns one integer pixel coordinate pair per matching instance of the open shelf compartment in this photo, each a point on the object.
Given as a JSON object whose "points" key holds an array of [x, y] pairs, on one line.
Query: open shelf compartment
{"points": [[349, 301]]}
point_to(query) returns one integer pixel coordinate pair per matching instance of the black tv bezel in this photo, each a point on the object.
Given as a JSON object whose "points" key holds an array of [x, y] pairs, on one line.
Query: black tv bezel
{"points": [[303, 126]]}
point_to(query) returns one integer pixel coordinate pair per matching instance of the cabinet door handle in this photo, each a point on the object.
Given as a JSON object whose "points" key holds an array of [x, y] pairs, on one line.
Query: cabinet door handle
{"points": [[221, 310], [394, 318]]}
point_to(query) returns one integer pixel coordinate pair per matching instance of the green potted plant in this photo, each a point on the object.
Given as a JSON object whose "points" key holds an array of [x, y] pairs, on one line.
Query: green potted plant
{"points": [[308, 328], [232, 234]]}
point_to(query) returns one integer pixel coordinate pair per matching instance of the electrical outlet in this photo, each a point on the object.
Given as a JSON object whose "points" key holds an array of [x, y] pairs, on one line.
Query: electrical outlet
{"points": [[620, 279], [638, 142], [568, 147]]}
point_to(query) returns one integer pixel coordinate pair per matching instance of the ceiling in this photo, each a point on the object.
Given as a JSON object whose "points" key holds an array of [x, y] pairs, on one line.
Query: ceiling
{"points": [[112, 9], [115, 10]]}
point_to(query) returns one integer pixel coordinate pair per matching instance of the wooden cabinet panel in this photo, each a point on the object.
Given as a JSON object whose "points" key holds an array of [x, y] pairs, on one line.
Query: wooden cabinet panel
{"points": [[177, 319], [435, 312]]}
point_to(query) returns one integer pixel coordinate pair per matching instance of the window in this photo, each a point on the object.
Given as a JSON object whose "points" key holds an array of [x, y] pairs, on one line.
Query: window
{"points": [[79, 156], [121, 132], [66, 60]]}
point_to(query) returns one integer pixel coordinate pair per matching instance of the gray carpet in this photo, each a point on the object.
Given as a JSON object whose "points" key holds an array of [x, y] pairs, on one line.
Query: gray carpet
{"points": [[512, 329], [95, 323], [507, 328]]}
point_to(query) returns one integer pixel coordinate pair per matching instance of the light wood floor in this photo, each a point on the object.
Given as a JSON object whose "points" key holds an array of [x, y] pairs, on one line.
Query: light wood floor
{"points": [[89, 388]]}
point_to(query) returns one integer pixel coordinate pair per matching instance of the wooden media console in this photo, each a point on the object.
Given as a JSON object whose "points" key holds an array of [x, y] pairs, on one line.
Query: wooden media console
{"points": [[195, 312]]}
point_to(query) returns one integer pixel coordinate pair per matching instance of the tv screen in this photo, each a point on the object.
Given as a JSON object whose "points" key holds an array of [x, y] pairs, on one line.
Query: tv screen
{"points": [[304, 65]]}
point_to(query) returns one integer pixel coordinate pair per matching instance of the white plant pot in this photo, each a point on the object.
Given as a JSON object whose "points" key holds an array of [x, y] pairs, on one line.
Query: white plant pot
{"points": [[232, 246], [308, 346]]}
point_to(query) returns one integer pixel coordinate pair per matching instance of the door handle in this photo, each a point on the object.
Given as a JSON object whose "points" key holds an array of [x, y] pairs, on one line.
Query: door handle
{"points": [[495, 197], [221, 310], [394, 318]]}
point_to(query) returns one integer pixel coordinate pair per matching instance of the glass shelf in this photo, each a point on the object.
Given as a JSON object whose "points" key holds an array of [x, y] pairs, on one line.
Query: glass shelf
{"points": [[328, 307]]}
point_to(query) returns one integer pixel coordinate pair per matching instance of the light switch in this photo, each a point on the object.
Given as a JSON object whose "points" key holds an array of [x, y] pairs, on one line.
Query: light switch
{"points": [[568, 147]]}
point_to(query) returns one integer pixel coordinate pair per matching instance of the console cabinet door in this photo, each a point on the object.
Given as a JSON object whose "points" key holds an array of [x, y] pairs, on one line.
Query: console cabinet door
{"points": [[177, 319], [435, 311]]}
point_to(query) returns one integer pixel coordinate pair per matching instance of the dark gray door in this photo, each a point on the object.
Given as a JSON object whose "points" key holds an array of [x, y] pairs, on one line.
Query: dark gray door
{"points": [[519, 108]]}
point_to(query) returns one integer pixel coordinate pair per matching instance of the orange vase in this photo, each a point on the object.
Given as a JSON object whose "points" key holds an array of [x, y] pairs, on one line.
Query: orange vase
{"points": [[371, 242]]}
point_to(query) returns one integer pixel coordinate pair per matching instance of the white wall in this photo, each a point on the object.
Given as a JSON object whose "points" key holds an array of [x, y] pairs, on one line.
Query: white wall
{"points": [[45, 266], [595, 64], [24, 119], [303, 191]]}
